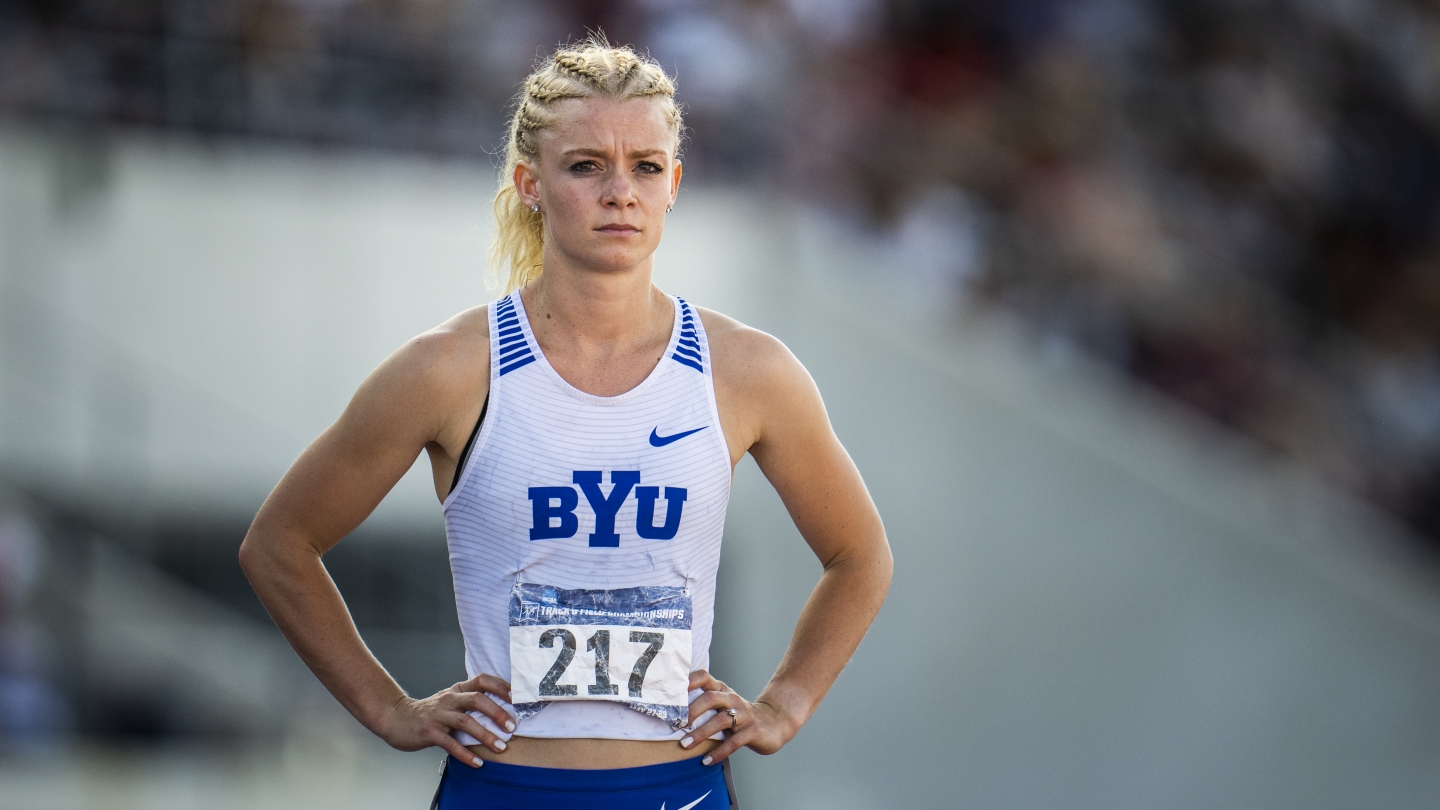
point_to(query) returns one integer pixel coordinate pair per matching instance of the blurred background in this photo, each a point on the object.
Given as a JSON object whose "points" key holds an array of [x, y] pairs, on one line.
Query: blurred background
{"points": [[1128, 310]]}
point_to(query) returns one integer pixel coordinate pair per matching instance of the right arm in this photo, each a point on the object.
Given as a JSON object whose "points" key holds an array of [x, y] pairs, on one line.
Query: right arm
{"points": [[416, 399]]}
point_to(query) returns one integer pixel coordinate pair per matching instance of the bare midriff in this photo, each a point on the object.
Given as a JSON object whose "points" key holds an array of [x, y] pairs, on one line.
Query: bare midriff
{"points": [[588, 754]]}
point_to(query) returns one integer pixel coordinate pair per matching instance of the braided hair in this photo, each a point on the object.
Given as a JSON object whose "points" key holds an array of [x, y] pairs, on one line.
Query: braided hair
{"points": [[591, 69]]}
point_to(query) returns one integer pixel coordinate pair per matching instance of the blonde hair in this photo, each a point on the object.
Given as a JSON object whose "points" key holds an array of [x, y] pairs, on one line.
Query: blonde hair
{"points": [[590, 69]]}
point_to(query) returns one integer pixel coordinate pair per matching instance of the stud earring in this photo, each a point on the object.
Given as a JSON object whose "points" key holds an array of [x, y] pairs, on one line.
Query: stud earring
{"points": [[669, 208], [535, 207]]}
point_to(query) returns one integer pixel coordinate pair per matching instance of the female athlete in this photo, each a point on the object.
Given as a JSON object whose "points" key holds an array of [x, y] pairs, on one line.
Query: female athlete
{"points": [[582, 432]]}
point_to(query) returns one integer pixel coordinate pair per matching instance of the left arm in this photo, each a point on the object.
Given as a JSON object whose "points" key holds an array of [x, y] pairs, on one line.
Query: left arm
{"points": [[772, 409]]}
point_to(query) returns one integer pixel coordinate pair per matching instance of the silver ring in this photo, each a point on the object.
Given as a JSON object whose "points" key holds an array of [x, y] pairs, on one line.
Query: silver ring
{"points": [[732, 713]]}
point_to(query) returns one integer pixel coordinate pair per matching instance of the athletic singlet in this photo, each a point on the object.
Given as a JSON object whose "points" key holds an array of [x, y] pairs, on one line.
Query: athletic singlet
{"points": [[584, 537]]}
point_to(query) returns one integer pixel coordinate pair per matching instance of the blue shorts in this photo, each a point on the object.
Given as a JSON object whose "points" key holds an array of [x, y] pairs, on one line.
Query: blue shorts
{"points": [[684, 785]]}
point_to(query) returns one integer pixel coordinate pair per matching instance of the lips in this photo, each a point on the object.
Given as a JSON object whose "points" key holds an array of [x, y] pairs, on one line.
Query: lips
{"points": [[619, 229]]}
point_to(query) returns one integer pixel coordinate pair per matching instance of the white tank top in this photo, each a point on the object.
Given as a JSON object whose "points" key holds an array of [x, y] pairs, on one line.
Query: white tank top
{"points": [[601, 503]]}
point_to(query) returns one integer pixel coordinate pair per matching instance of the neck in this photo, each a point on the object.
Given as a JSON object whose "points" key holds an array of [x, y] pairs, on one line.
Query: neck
{"points": [[597, 309]]}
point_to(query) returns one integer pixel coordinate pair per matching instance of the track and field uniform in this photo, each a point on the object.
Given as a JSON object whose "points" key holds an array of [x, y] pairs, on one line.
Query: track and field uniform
{"points": [[584, 538], [683, 785]]}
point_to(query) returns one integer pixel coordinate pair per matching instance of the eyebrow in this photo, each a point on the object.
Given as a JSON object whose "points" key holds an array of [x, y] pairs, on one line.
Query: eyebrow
{"points": [[638, 153]]}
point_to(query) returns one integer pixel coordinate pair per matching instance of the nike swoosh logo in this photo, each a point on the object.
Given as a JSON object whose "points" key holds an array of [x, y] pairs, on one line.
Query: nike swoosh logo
{"points": [[697, 801], [656, 440]]}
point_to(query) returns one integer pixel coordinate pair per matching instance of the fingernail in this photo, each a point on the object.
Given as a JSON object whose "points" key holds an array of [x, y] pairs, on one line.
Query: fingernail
{"points": [[509, 725], [500, 744], [707, 760], [685, 743], [478, 761]]}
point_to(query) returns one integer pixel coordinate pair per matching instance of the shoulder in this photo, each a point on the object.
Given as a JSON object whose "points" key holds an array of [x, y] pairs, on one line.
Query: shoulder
{"points": [[760, 386], [745, 356], [451, 352], [433, 374]]}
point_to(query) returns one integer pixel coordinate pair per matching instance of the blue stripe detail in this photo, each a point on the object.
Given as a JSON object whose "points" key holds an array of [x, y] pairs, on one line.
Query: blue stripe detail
{"points": [[688, 362], [508, 358], [687, 349], [528, 359], [510, 351], [513, 350]]}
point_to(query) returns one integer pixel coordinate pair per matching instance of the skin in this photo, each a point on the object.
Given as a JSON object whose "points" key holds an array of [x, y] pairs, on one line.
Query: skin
{"points": [[605, 175]]}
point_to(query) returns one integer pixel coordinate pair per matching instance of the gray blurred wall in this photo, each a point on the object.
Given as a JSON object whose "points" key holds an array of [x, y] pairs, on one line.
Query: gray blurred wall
{"points": [[1098, 603]]}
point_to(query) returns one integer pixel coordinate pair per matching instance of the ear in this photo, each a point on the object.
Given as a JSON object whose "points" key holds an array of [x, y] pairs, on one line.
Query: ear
{"points": [[527, 183], [675, 181]]}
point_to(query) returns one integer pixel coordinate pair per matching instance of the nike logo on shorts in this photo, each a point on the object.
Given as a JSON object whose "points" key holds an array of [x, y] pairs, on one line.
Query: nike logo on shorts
{"points": [[707, 793], [656, 440]]}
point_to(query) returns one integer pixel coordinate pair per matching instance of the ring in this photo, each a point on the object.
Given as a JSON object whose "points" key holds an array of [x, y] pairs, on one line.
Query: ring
{"points": [[732, 713]]}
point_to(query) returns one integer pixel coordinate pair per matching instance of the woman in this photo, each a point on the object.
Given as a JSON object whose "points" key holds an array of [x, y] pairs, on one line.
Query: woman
{"points": [[582, 432]]}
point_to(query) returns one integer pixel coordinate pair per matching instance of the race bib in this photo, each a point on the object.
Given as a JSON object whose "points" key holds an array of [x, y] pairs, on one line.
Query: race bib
{"points": [[631, 646]]}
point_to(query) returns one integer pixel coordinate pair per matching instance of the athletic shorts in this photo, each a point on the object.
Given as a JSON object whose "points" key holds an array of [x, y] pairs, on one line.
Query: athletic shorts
{"points": [[686, 784]]}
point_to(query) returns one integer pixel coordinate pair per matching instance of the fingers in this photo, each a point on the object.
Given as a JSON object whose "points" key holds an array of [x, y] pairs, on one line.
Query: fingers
{"points": [[732, 744], [716, 695], [720, 722], [468, 724], [715, 699], [474, 695], [453, 747], [485, 682], [740, 727], [480, 702], [700, 679]]}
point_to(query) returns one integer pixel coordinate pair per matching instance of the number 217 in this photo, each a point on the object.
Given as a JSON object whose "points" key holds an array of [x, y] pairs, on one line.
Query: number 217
{"points": [[599, 643]]}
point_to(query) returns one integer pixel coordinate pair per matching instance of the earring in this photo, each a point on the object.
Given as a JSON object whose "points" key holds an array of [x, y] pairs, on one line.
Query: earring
{"points": [[535, 207], [669, 208]]}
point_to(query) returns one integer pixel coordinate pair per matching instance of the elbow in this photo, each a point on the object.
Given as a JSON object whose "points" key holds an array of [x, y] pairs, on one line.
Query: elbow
{"points": [[885, 564], [257, 555], [270, 555], [248, 556]]}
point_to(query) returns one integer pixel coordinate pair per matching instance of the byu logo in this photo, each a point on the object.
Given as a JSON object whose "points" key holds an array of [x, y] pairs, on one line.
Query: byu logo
{"points": [[553, 508]]}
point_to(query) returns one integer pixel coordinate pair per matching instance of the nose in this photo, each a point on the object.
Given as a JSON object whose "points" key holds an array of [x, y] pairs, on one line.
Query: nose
{"points": [[619, 191]]}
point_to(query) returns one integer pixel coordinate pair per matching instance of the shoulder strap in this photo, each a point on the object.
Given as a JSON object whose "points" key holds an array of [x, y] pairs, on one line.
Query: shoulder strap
{"points": [[511, 349], [687, 350]]}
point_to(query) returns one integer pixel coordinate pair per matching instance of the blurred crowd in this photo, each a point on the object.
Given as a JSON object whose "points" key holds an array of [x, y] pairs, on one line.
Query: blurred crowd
{"points": [[1235, 202]]}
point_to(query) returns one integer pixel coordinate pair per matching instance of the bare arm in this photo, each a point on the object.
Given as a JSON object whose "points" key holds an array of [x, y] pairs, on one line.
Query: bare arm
{"points": [[408, 404], [773, 410]]}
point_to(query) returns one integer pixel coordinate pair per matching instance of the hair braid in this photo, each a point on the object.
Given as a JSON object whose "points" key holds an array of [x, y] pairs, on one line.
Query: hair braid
{"points": [[590, 69]]}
